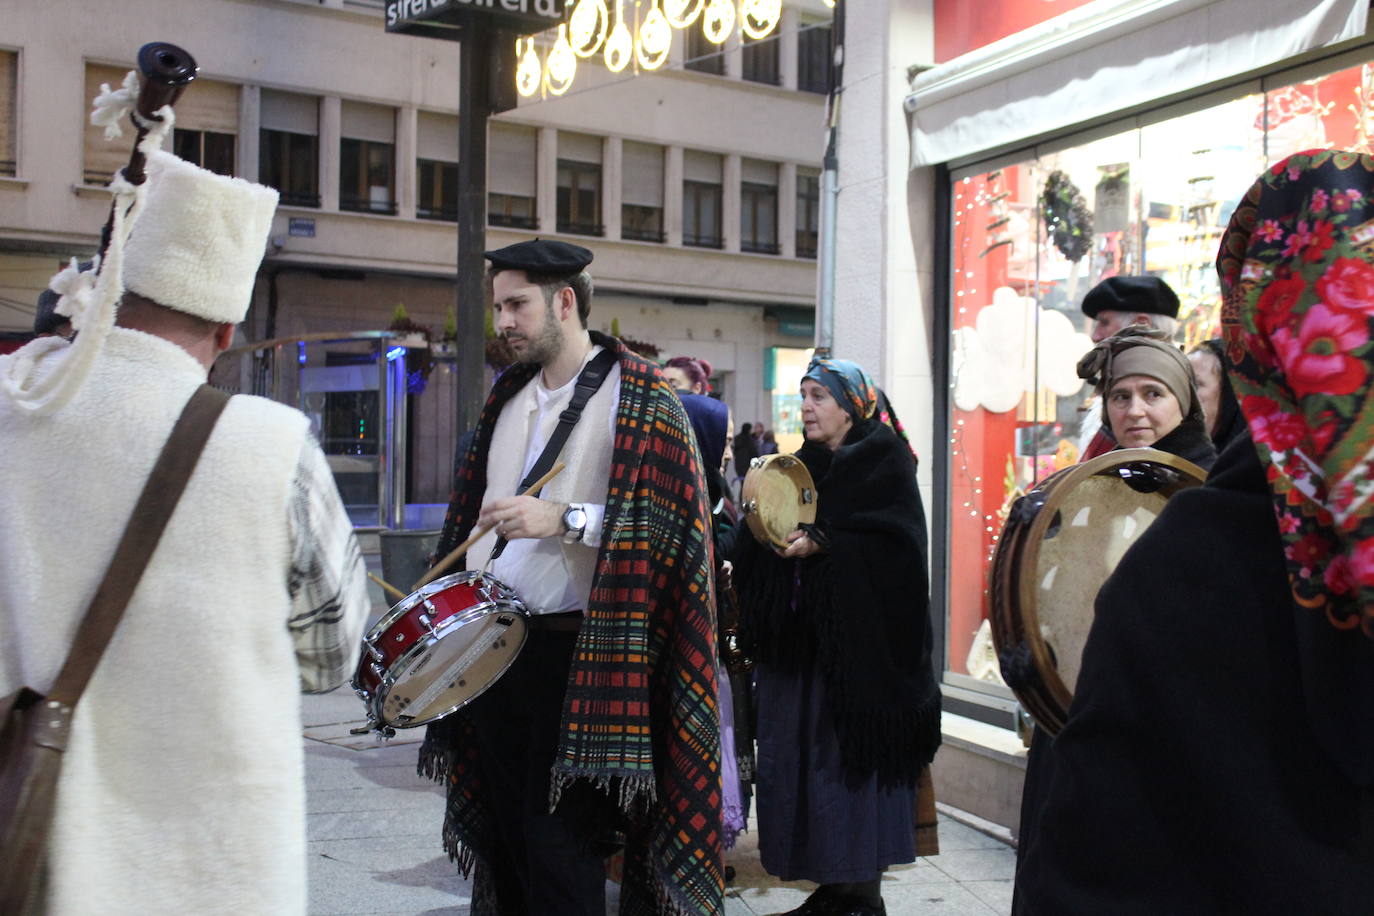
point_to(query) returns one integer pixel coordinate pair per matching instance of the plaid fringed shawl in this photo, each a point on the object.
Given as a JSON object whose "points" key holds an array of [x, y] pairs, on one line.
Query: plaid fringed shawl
{"points": [[639, 719]]}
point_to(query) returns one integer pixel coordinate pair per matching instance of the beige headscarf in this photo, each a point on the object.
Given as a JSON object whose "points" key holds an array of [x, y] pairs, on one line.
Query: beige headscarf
{"points": [[1141, 351]]}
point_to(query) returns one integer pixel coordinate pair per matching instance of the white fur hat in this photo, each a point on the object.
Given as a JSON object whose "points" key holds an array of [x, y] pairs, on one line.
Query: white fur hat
{"points": [[199, 240]]}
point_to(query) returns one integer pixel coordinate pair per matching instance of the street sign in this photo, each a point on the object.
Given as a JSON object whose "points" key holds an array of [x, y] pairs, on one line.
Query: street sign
{"points": [[445, 18]]}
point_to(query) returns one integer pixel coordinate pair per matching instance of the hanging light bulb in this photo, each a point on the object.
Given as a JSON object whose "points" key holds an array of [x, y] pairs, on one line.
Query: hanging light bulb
{"points": [[561, 65], [829, 3], [718, 20], [588, 25], [619, 46], [655, 40], [759, 17], [529, 70], [682, 13]]}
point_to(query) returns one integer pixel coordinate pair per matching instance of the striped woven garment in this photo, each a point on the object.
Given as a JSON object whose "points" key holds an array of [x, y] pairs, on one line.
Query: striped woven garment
{"points": [[640, 719]]}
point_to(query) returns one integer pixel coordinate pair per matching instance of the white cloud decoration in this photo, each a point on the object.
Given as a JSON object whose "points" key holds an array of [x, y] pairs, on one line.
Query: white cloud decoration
{"points": [[994, 362]]}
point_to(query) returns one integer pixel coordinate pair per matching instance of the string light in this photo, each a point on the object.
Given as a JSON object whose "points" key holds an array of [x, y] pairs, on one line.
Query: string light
{"points": [[759, 17], [682, 13], [561, 65], [655, 40], [620, 45], [588, 25], [718, 21], [529, 70]]}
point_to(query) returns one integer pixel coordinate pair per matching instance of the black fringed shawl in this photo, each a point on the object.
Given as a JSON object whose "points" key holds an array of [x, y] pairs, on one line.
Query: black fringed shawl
{"points": [[640, 718], [861, 610]]}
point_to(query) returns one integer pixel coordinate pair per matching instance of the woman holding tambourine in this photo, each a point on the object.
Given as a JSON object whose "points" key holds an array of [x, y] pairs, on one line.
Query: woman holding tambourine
{"points": [[838, 616]]}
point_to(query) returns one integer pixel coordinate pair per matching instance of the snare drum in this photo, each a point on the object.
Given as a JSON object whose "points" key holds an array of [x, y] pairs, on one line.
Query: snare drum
{"points": [[777, 496], [438, 649], [1060, 543]]}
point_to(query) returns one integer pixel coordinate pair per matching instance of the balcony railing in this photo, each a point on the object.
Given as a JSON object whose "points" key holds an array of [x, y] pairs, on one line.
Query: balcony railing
{"points": [[367, 205], [754, 246], [447, 214], [300, 199], [580, 228], [512, 221], [643, 235], [703, 241]]}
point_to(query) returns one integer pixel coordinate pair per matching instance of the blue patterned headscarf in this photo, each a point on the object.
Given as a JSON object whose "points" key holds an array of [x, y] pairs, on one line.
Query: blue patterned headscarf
{"points": [[854, 390], [848, 383]]}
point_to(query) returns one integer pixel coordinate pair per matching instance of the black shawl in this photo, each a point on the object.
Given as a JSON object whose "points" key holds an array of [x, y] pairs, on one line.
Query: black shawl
{"points": [[1189, 440], [861, 610], [1188, 778]]}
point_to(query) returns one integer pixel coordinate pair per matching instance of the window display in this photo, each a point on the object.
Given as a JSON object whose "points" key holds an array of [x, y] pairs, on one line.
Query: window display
{"points": [[1030, 238]]}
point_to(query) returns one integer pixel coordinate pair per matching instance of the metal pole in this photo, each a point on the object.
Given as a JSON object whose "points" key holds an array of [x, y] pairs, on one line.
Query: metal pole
{"points": [[830, 192], [474, 111]]}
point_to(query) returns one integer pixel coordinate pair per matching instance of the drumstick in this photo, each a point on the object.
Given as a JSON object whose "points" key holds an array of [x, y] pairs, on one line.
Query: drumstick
{"points": [[437, 569], [387, 585]]}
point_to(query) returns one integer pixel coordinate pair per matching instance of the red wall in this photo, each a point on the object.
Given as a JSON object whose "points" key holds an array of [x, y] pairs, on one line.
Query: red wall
{"points": [[964, 25]]}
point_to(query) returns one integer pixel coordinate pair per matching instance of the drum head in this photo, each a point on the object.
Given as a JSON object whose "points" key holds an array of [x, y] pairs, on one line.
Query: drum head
{"points": [[1061, 542], [777, 496], [453, 669], [453, 639]]}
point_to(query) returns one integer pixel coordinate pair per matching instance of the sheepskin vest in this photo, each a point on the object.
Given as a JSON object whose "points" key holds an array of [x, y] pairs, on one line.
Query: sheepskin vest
{"points": [[182, 789]]}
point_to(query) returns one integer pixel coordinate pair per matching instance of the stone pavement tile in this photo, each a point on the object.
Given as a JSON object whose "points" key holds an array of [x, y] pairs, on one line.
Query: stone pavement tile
{"points": [[951, 899], [996, 894], [955, 836], [376, 824], [392, 767], [424, 882], [368, 798], [977, 864]]}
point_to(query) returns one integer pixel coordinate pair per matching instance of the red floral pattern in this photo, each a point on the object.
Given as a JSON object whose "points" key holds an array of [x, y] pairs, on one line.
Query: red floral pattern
{"points": [[1297, 272]]}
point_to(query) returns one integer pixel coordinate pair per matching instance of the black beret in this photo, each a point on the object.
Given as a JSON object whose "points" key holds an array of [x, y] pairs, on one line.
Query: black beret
{"points": [[540, 256], [1131, 294]]}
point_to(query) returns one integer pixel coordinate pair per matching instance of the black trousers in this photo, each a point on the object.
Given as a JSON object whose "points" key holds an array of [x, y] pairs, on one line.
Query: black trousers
{"points": [[545, 864]]}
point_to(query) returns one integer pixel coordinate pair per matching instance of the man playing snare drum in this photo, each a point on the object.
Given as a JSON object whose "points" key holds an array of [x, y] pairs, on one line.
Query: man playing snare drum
{"points": [[606, 723]]}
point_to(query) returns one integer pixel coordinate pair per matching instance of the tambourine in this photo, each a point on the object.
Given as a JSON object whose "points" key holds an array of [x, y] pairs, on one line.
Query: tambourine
{"points": [[1060, 543], [777, 496]]}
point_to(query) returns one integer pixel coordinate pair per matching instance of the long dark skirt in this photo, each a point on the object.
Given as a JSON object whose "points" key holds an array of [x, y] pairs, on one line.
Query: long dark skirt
{"points": [[812, 826]]}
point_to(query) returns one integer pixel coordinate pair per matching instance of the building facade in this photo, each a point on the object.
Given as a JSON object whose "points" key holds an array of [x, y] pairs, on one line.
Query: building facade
{"points": [[695, 186]]}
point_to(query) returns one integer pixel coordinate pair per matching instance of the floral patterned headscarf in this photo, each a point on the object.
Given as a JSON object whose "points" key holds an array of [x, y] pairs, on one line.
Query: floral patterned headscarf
{"points": [[1297, 274]]}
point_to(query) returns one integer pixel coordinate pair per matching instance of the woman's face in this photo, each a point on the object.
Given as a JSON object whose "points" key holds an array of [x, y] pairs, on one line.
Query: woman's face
{"points": [[823, 419], [1142, 410], [1207, 370], [677, 377]]}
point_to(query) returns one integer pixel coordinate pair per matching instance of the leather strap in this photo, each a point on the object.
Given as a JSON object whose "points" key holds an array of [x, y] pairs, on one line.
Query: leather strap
{"points": [[151, 514], [588, 382]]}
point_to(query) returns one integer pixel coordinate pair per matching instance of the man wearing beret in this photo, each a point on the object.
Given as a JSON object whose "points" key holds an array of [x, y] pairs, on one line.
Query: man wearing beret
{"points": [[605, 727], [1113, 304]]}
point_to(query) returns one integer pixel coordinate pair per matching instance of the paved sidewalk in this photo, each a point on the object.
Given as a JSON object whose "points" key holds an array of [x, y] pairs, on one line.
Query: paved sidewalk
{"points": [[375, 849]]}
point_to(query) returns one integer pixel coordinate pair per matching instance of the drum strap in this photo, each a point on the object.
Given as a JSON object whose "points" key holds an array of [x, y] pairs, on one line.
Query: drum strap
{"points": [[588, 383]]}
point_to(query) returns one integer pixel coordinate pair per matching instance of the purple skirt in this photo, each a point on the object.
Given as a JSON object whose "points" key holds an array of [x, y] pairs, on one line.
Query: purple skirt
{"points": [[812, 826]]}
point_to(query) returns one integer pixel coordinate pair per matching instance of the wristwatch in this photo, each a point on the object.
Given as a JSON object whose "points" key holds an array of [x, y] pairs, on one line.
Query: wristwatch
{"points": [[574, 523]]}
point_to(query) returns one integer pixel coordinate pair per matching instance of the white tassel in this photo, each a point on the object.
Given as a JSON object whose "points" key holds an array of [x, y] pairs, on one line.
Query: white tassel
{"points": [[112, 106]]}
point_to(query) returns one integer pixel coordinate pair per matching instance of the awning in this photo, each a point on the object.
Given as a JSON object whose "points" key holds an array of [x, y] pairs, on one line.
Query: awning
{"points": [[1109, 56]]}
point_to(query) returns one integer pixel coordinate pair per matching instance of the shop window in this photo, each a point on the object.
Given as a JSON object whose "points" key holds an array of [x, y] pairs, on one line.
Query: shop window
{"points": [[641, 209], [366, 182], [289, 146], [701, 215], [438, 191], [759, 207], [813, 58], [702, 55], [808, 212], [761, 60], [1152, 200], [511, 176], [8, 144], [205, 148]]}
